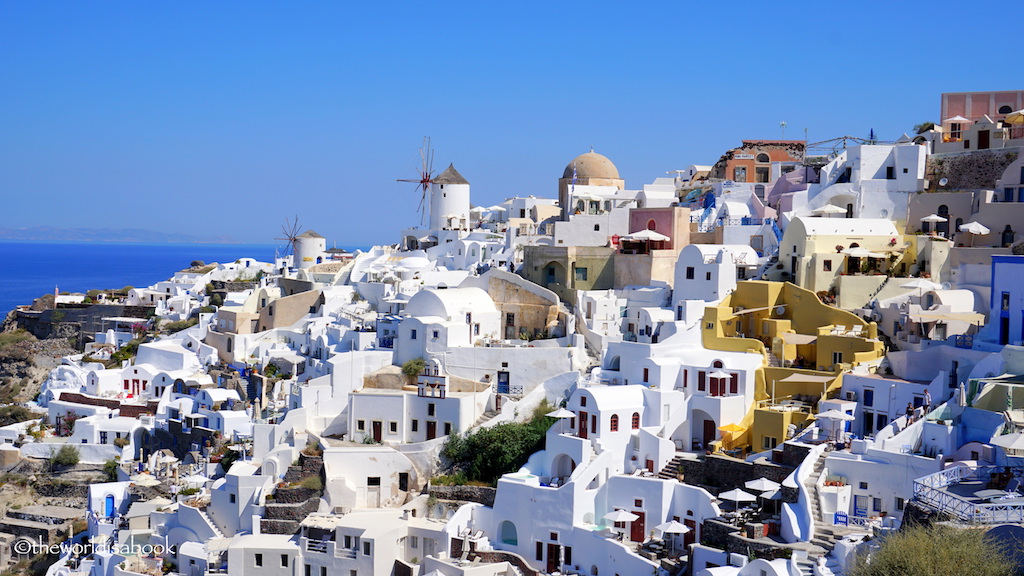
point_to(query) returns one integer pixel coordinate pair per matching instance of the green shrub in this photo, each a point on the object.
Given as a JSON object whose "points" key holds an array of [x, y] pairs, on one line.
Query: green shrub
{"points": [[67, 456], [179, 325], [110, 470], [412, 368]]}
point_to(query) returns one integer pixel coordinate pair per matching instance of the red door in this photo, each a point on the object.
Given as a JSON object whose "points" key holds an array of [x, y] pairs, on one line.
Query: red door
{"points": [[650, 465], [378, 431], [583, 425], [709, 432], [431, 429], [636, 529], [691, 536]]}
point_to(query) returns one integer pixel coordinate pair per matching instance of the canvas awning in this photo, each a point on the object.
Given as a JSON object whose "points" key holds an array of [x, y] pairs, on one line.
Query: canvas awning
{"points": [[798, 339]]}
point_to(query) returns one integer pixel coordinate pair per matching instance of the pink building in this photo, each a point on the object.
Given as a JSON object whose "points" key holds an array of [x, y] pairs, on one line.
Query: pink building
{"points": [[974, 105]]}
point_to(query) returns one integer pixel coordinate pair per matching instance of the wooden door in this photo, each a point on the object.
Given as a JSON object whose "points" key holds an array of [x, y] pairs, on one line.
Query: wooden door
{"points": [[650, 465], [583, 425], [709, 432], [431, 429], [691, 536], [553, 554], [378, 431], [983, 139], [636, 528]]}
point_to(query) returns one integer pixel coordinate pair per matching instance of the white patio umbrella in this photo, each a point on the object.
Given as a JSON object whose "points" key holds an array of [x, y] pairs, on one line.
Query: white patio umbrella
{"points": [[934, 218], [736, 495], [859, 252], [921, 284], [672, 527], [720, 374], [646, 235], [195, 479], [145, 480], [620, 516], [835, 416], [1013, 441], [975, 228], [958, 119], [762, 485], [561, 414], [829, 209]]}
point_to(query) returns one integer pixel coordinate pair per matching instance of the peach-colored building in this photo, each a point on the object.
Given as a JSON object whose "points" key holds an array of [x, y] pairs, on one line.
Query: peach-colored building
{"points": [[974, 105], [754, 159]]}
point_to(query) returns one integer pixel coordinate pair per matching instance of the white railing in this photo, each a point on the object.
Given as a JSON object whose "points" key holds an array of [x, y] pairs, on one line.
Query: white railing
{"points": [[929, 490]]}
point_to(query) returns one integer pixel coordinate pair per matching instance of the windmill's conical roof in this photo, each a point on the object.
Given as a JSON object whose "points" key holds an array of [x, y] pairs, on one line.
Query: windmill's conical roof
{"points": [[309, 234], [450, 176]]}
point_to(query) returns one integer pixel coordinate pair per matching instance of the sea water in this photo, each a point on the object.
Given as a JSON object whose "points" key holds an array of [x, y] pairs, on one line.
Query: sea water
{"points": [[31, 269]]}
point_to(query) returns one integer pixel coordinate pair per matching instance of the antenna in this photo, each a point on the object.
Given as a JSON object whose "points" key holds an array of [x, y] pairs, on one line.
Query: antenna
{"points": [[425, 176], [783, 126]]}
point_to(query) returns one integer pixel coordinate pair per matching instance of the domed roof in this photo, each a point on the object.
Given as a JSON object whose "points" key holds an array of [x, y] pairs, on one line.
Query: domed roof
{"points": [[591, 165]]}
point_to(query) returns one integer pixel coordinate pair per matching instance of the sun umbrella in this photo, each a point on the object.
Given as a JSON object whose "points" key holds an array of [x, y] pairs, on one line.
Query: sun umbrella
{"points": [[672, 527], [836, 415], [146, 480], [921, 284], [829, 209], [737, 495], [958, 119], [196, 479], [1015, 119], [561, 414], [720, 374], [1013, 441], [762, 485], [859, 252], [731, 428], [975, 228], [620, 516], [646, 235]]}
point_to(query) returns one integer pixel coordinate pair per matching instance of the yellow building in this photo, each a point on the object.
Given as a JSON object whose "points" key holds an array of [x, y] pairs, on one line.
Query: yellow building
{"points": [[806, 345]]}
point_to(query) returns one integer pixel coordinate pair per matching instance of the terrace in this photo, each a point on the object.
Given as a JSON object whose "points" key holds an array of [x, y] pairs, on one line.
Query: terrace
{"points": [[979, 495]]}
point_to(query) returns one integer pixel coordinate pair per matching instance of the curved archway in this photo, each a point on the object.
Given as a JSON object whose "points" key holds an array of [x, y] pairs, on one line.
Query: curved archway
{"points": [[508, 534], [762, 157], [562, 466], [651, 224], [614, 363]]}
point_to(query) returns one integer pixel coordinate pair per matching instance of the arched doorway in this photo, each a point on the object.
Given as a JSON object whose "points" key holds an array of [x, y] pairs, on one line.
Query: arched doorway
{"points": [[703, 429], [507, 533], [562, 466]]}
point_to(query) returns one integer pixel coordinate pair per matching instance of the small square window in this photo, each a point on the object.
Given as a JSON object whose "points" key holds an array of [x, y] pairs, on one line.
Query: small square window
{"points": [[437, 334], [393, 427], [430, 409], [361, 425], [863, 485], [447, 428], [284, 560], [412, 334], [415, 425], [366, 548], [638, 503], [689, 272], [583, 401], [414, 542], [900, 503]]}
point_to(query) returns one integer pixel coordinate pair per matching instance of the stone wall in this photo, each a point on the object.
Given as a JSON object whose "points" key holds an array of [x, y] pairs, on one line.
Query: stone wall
{"points": [[481, 494], [723, 472], [976, 170], [791, 455], [49, 490], [294, 495]]}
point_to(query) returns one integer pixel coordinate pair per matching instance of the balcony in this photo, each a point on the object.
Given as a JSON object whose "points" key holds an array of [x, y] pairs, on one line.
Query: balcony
{"points": [[975, 495]]}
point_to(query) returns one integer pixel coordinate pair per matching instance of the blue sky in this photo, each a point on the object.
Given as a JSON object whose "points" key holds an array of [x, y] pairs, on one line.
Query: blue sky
{"points": [[225, 117]]}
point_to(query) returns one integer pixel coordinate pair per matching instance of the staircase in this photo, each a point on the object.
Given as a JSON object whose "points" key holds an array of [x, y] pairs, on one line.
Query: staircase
{"points": [[213, 525], [671, 470], [774, 361], [484, 418], [825, 534]]}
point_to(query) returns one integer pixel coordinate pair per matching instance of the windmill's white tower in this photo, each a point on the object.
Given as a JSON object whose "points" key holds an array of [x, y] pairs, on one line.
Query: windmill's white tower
{"points": [[449, 201], [309, 249]]}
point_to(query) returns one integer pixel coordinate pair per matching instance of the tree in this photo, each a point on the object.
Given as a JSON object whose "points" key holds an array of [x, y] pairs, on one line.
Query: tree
{"points": [[412, 368], [923, 127], [927, 550]]}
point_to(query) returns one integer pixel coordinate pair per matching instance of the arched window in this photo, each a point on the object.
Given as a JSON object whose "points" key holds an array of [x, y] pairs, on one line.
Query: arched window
{"points": [[614, 426], [651, 225], [507, 533], [762, 157], [636, 420], [1005, 109], [718, 364]]}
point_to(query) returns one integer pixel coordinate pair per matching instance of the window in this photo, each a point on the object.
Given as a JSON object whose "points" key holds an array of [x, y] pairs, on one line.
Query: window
{"points": [[876, 504], [361, 425], [414, 542], [447, 428], [415, 425], [1005, 110], [869, 397], [366, 549], [707, 276], [837, 357], [863, 485], [900, 503], [568, 554], [284, 560], [636, 420], [270, 311], [739, 174], [689, 272], [259, 560], [614, 425], [232, 498], [882, 421], [826, 265], [476, 329], [593, 424], [393, 427], [373, 480], [647, 373], [597, 227], [763, 158], [553, 536], [323, 571], [430, 409], [103, 437], [761, 174], [768, 443], [436, 334], [540, 551], [890, 172], [702, 380], [309, 570], [581, 274], [412, 334], [469, 318], [583, 401], [510, 319], [1004, 302]]}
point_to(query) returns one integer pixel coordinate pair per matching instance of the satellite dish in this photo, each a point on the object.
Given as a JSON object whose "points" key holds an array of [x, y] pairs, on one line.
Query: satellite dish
{"points": [[943, 181], [780, 310], [946, 285]]}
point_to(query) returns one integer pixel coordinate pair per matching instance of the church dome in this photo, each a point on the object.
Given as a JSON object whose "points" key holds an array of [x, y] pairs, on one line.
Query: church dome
{"points": [[591, 165]]}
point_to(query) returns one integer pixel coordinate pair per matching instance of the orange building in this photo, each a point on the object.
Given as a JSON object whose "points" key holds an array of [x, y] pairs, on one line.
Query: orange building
{"points": [[754, 160]]}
